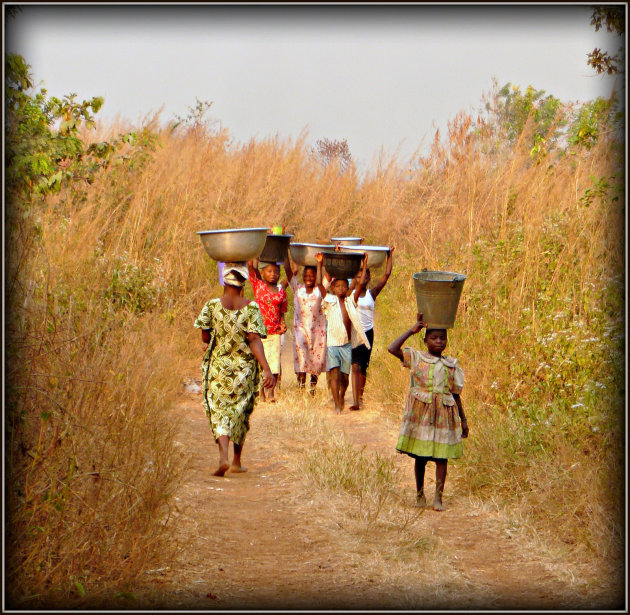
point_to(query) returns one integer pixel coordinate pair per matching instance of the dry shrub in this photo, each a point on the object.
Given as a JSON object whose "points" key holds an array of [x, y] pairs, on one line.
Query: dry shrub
{"points": [[106, 279]]}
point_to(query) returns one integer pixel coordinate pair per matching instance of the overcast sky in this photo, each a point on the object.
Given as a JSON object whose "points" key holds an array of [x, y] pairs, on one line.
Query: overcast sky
{"points": [[382, 77]]}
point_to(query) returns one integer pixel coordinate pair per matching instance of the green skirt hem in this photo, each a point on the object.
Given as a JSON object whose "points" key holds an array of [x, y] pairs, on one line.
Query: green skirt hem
{"points": [[423, 448]]}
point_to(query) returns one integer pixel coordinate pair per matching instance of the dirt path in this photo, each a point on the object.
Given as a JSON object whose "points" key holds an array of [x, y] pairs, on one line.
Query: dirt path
{"points": [[257, 541]]}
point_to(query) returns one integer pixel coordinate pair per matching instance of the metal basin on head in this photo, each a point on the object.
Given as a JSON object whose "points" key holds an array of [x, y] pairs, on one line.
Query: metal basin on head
{"points": [[303, 254], [437, 297], [342, 264], [376, 254], [275, 248], [346, 241], [234, 245]]}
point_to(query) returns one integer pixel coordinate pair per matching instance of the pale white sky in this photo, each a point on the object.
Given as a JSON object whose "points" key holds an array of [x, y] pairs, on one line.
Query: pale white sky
{"points": [[380, 76]]}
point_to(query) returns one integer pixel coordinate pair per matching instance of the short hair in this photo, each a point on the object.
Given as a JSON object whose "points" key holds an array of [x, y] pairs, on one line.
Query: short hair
{"points": [[427, 331], [311, 267]]}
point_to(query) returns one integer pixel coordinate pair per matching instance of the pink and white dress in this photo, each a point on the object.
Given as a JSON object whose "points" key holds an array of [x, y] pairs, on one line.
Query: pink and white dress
{"points": [[309, 330]]}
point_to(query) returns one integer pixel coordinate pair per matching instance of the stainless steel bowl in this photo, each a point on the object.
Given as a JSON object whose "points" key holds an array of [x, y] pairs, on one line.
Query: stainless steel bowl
{"points": [[303, 254], [275, 248], [376, 254], [234, 245], [342, 264], [346, 241]]}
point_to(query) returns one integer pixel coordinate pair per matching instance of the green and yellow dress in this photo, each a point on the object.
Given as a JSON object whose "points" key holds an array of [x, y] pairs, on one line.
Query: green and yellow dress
{"points": [[230, 371], [431, 426]]}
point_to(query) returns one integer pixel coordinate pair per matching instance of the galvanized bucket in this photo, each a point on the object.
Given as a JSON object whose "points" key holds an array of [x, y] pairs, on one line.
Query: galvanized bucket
{"points": [[437, 297]]}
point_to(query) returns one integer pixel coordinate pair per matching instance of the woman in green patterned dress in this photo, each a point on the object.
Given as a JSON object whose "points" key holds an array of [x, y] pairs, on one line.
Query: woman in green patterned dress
{"points": [[232, 328]]}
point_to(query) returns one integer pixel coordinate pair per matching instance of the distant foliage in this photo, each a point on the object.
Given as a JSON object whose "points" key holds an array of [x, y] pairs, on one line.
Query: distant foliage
{"points": [[328, 151], [613, 18]]}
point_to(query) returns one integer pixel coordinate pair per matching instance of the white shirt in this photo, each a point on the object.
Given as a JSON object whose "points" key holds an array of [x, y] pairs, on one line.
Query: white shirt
{"points": [[336, 334], [365, 305]]}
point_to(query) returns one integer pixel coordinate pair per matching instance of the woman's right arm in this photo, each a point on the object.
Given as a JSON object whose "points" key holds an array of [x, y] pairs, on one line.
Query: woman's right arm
{"points": [[252, 266], [259, 352], [395, 347]]}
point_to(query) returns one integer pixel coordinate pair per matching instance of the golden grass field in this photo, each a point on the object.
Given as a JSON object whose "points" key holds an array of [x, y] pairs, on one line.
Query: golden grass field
{"points": [[107, 278]]}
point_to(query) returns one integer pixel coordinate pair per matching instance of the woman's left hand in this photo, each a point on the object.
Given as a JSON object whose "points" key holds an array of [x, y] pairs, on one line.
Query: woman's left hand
{"points": [[464, 428], [268, 379]]}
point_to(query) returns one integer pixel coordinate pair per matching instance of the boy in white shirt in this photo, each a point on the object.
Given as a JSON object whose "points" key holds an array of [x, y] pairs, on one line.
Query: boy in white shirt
{"points": [[344, 330]]}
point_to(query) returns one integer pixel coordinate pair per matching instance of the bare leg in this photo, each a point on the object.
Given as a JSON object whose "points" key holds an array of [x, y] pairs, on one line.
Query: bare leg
{"points": [[236, 466], [344, 380], [329, 384], [362, 379], [419, 467], [440, 479], [335, 386], [356, 387], [314, 379], [301, 379], [224, 444]]}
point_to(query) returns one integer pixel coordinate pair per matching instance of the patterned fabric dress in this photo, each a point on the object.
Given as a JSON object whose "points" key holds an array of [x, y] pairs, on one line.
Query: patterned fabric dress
{"points": [[230, 371], [431, 426], [273, 306], [309, 330]]}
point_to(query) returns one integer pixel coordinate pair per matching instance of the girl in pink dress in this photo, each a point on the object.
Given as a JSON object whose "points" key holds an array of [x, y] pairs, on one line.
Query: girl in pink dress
{"points": [[309, 327]]}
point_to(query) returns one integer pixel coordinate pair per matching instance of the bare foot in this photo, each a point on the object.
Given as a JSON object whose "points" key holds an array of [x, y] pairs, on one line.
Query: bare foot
{"points": [[237, 469], [272, 400], [337, 410], [421, 501], [437, 505], [222, 469], [354, 407]]}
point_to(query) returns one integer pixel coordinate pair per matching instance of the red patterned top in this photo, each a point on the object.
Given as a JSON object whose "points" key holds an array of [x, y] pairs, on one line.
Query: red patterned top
{"points": [[272, 306]]}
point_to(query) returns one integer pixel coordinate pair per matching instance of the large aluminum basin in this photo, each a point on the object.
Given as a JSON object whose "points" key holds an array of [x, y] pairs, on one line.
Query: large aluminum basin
{"points": [[376, 254], [303, 254], [234, 245]]}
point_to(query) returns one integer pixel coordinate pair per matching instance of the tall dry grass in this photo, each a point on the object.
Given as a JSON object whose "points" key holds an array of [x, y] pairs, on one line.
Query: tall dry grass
{"points": [[106, 280]]}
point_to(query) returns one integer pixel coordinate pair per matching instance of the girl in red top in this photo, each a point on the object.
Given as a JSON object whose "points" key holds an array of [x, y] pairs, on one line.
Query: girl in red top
{"points": [[271, 298]]}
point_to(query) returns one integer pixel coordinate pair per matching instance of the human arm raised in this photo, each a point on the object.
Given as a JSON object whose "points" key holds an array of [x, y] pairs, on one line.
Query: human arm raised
{"points": [[362, 279], [395, 347], [288, 268], [252, 266], [319, 257], [388, 271]]}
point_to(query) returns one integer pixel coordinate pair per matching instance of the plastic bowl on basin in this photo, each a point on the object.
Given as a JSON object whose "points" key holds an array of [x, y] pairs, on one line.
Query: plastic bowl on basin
{"points": [[235, 244], [303, 254], [342, 264], [376, 254]]}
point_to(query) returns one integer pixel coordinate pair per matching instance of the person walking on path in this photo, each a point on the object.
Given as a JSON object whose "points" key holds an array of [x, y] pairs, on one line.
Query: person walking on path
{"points": [[433, 422], [365, 305], [271, 297], [232, 327], [309, 326], [344, 330]]}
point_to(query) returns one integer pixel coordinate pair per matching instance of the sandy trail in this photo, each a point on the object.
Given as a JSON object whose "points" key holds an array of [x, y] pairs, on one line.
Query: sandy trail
{"points": [[255, 541]]}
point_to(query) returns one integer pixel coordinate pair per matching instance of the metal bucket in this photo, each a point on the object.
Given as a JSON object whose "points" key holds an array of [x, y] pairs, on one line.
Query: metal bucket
{"points": [[437, 297]]}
